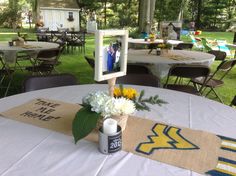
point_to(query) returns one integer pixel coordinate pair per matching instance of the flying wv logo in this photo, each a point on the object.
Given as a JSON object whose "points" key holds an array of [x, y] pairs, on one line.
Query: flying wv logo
{"points": [[165, 137]]}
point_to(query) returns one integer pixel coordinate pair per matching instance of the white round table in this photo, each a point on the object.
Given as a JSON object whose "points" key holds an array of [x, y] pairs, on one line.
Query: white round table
{"points": [[29, 150], [161, 64], [32, 47], [157, 41]]}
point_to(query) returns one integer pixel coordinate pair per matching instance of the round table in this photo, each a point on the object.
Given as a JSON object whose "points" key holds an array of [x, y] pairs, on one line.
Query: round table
{"points": [[31, 47], [157, 41], [161, 64], [29, 150]]}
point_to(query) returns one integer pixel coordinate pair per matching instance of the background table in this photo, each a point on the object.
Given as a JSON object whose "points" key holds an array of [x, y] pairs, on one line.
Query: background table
{"points": [[33, 47], [161, 64], [157, 41], [28, 150]]}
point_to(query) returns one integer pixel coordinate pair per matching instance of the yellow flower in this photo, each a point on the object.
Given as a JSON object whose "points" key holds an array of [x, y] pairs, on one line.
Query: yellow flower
{"points": [[128, 93], [117, 92]]}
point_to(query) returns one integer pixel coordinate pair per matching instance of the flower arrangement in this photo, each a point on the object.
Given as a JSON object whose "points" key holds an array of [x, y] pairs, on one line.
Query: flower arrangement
{"points": [[164, 46], [19, 41], [99, 105], [152, 37]]}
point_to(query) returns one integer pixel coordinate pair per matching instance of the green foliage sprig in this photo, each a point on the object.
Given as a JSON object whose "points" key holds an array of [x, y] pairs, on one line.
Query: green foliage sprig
{"points": [[141, 103]]}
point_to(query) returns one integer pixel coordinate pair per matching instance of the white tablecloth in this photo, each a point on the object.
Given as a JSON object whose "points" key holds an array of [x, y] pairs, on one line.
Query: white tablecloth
{"points": [[161, 65], [28, 150], [11, 51], [143, 42]]}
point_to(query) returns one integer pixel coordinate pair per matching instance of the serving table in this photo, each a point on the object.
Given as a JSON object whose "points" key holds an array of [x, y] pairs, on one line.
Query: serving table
{"points": [[29, 150]]}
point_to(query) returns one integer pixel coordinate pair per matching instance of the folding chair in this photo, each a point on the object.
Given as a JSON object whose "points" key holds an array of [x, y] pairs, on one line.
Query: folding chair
{"points": [[90, 61], [6, 75], [186, 71], [184, 46], [219, 55], [233, 102], [42, 82], [212, 82], [131, 68], [45, 62], [137, 69], [58, 37], [139, 79], [77, 39], [43, 34]]}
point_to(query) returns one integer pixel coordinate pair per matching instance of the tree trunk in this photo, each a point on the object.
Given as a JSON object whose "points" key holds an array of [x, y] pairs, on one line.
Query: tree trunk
{"points": [[199, 13], [152, 10], [146, 14], [181, 11], [105, 13], [234, 42], [147, 23], [142, 11]]}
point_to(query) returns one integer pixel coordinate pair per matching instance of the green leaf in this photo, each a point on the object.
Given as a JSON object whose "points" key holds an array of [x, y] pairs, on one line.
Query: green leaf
{"points": [[121, 90], [141, 95], [84, 122]]}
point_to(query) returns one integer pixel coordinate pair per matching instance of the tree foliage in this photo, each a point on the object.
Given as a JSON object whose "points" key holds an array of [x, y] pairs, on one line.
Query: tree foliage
{"points": [[10, 16], [207, 14]]}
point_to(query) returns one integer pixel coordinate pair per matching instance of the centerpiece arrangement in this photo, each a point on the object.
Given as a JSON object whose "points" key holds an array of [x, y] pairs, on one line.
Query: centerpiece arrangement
{"points": [[164, 47], [19, 41], [99, 106]]}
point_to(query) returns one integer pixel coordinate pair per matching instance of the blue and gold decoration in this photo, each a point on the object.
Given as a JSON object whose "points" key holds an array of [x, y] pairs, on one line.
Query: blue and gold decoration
{"points": [[225, 167], [165, 137]]}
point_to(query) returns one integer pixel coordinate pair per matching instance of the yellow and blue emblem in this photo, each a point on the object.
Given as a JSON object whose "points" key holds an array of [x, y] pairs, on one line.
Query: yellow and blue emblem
{"points": [[165, 137]]}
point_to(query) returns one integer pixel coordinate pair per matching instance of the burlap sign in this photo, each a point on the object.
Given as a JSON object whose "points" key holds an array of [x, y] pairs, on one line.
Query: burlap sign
{"points": [[199, 151]]}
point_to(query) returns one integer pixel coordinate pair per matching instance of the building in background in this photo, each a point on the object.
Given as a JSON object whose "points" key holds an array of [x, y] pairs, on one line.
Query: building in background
{"points": [[58, 14]]}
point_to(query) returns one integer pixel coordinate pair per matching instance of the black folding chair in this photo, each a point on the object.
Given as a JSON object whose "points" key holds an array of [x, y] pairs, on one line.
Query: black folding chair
{"points": [[137, 69], [43, 34], [184, 46], [139, 79], [45, 62], [212, 81], [76, 39], [219, 55], [186, 71], [233, 102], [90, 61], [6, 76], [42, 82]]}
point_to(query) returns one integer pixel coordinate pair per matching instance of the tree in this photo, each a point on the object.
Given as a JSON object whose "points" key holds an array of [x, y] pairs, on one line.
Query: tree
{"points": [[146, 14], [11, 15]]}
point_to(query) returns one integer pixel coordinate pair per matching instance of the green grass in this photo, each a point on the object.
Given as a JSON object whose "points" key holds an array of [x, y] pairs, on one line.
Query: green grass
{"points": [[228, 36], [75, 63]]}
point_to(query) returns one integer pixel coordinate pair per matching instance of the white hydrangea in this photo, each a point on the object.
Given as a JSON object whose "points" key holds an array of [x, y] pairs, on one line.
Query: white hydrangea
{"points": [[101, 102], [97, 101]]}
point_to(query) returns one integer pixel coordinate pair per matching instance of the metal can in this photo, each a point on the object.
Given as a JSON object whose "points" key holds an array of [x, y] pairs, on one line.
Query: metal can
{"points": [[109, 144]]}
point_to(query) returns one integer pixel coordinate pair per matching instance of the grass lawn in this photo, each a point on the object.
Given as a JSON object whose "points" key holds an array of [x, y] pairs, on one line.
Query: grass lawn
{"points": [[75, 63]]}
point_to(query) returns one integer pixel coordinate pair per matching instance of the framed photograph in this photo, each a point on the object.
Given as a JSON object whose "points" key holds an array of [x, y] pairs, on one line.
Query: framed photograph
{"points": [[110, 54]]}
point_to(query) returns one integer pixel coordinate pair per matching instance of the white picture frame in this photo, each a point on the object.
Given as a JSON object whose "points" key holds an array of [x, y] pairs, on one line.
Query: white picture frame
{"points": [[99, 54]]}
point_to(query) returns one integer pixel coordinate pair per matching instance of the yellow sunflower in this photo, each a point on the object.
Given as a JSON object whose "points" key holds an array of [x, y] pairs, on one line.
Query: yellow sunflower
{"points": [[129, 93]]}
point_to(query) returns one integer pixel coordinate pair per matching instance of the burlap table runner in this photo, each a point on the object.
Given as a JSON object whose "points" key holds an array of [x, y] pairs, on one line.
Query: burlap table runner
{"points": [[199, 151]]}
